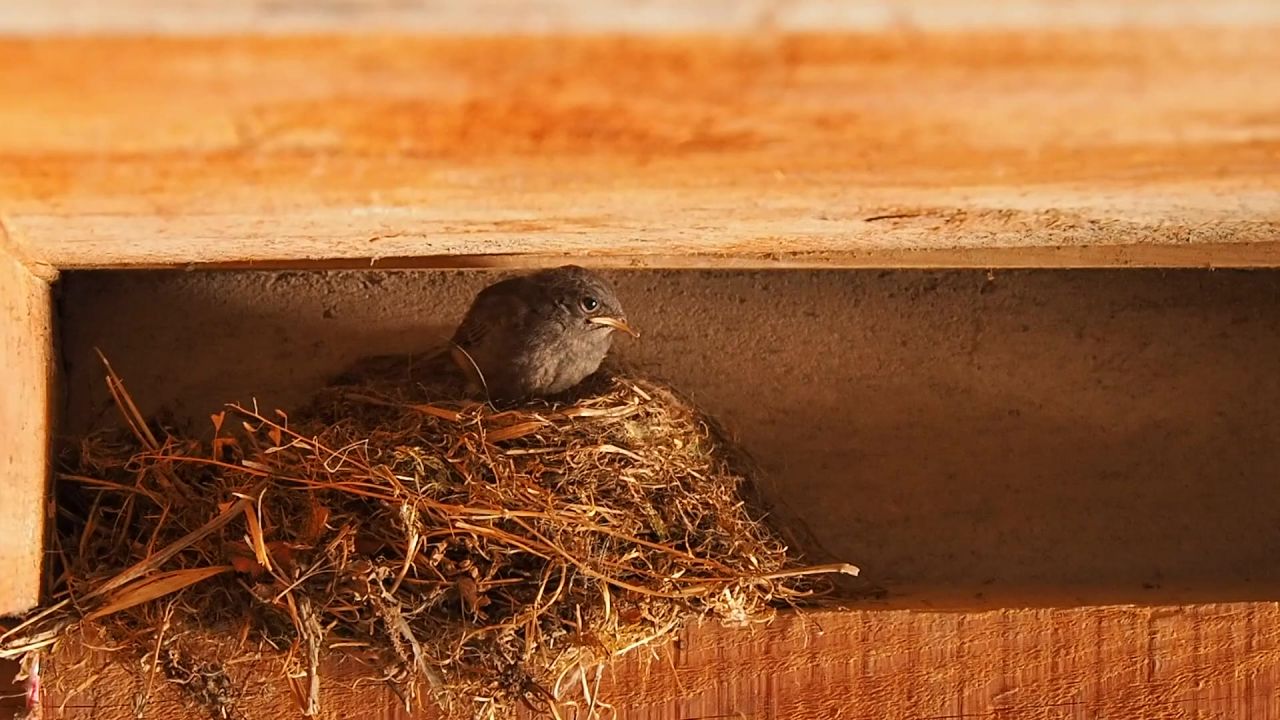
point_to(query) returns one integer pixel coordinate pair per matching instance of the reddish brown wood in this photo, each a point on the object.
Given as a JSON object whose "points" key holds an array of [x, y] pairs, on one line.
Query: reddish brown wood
{"points": [[668, 16], [26, 343], [1043, 148], [1082, 147], [1209, 662]]}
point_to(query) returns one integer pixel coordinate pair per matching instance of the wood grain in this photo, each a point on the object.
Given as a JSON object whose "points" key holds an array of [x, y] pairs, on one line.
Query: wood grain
{"points": [[1088, 147], [523, 16], [26, 346], [1208, 662]]}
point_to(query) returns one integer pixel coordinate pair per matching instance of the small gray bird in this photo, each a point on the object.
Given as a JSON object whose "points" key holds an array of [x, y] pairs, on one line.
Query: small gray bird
{"points": [[540, 334]]}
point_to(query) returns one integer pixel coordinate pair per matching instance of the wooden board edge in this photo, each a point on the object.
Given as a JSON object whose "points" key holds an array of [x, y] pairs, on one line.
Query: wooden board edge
{"points": [[1202, 256], [561, 16], [1206, 660], [26, 418]]}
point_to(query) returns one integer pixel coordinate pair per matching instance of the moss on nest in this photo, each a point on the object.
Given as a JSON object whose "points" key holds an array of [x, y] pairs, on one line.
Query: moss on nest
{"points": [[476, 556]]}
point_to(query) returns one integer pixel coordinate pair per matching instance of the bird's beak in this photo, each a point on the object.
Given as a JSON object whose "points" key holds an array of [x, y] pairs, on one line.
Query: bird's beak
{"points": [[615, 323]]}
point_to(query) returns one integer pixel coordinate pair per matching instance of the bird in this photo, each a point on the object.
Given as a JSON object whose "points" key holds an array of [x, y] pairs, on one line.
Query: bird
{"points": [[538, 335]]}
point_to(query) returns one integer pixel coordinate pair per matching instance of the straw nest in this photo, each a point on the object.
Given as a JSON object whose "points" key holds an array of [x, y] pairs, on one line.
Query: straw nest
{"points": [[479, 557]]}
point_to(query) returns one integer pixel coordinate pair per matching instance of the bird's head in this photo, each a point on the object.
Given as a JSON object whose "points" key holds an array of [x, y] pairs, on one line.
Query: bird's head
{"points": [[586, 298]]}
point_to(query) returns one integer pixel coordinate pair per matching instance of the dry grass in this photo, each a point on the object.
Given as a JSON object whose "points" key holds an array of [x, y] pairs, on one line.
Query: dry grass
{"points": [[477, 557]]}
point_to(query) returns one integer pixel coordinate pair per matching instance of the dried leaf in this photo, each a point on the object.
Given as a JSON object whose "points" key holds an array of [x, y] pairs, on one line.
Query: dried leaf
{"points": [[435, 411], [281, 553], [246, 565], [316, 522], [519, 430], [151, 562], [255, 538], [154, 587], [468, 590]]}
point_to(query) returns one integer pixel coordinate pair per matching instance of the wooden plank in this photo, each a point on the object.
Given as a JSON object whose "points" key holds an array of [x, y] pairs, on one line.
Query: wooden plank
{"points": [[1261, 254], [1146, 146], [1210, 662], [26, 344], [522, 16]]}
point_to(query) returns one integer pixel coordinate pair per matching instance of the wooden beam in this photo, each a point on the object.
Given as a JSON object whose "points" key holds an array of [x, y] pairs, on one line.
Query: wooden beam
{"points": [[1263, 254], [1218, 661], [1084, 147], [524, 16], [26, 384]]}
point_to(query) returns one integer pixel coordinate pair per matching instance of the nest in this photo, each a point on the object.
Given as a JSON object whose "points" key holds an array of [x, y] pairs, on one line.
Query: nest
{"points": [[473, 556]]}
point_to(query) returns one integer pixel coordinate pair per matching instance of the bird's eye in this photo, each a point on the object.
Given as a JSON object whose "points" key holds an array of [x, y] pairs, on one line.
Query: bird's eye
{"points": [[589, 304]]}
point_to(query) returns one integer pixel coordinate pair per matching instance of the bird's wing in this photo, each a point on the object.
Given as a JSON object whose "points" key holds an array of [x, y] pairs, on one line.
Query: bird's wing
{"points": [[483, 341], [499, 305]]}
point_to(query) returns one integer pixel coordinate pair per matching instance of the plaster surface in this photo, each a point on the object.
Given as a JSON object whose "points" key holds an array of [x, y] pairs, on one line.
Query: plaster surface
{"points": [[1038, 437]]}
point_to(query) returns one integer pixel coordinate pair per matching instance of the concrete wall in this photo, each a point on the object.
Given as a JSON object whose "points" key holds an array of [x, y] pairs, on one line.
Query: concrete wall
{"points": [[1051, 437]]}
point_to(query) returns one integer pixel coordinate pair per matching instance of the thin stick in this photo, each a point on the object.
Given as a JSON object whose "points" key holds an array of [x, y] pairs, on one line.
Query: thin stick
{"points": [[313, 634], [467, 365], [133, 416], [140, 710], [829, 569], [51, 610], [128, 410]]}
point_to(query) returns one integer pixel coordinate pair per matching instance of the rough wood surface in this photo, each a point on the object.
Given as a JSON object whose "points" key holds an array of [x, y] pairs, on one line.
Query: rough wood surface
{"points": [[492, 16], [26, 362], [1208, 662], [1155, 146]]}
